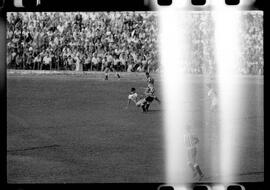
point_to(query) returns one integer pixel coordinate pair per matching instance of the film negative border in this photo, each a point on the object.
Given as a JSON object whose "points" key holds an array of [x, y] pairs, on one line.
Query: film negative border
{"points": [[112, 6], [119, 5], [214, 186]]}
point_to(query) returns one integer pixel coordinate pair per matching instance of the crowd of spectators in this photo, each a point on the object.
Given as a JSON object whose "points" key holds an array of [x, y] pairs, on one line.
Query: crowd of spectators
{"points": [[252, 38], [128, 40], [202, 44], [82, 41]]}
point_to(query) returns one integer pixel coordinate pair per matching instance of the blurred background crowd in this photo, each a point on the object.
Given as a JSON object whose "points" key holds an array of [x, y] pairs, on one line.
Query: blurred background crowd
{"points": [[82, 41], [202, 44], [127, 40]]}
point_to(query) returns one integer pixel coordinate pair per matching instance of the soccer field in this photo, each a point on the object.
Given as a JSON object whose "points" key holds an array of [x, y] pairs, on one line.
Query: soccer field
{"points": [[74, 129]]}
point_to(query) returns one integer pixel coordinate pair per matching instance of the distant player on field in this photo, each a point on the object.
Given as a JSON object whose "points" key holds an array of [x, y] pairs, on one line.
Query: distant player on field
{"points": [[108, 63], [150, 90], [191, 142], [133, 96], [149, 79], [213, 96], [150, 96]]}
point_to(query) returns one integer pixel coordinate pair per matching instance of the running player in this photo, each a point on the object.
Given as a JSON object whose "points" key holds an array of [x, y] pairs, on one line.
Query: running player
{"points": [[108, 63], [150, 90], [133, 96], [191, 142], [150, 96]]}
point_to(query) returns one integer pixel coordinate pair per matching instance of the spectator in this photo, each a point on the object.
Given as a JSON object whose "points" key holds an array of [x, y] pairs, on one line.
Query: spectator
{"points": [[37, 62], [93, 32], [19, 61], [47, 61], [70, 63], [123, 63], [130, 38], [29, 60], [87, 62], [95, 62]]}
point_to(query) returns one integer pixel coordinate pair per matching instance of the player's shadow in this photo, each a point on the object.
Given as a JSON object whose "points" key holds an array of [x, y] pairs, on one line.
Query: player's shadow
{"points": [[153, 111]]}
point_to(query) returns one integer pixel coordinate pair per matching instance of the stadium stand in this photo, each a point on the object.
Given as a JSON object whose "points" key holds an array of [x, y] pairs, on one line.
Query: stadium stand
{"points": [[87, 41]]}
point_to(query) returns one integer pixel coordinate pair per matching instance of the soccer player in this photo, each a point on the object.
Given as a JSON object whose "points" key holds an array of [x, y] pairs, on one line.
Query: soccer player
{"points": [[213, 96], [133, 96], [150, 90], [149, 79], [191, 141], [109, 66], [150, 96]]}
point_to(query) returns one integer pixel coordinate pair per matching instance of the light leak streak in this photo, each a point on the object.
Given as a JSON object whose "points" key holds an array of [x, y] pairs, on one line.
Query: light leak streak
{"points": [[219, 187], [181, 188], [227, 49], [173, 56]]}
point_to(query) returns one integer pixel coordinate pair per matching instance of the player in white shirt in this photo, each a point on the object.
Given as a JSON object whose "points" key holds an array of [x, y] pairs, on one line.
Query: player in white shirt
{"points": [[47, 60], [191, 143], [133, 96], [110, 66], [213, 96]]}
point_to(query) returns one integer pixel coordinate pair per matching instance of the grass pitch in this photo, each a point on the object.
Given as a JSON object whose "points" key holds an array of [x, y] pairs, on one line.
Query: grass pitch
{"points": [[74, 129]]}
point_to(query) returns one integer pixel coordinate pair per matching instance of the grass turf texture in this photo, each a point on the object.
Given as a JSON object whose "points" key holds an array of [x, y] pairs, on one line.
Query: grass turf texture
{"points": [[74, 129]]}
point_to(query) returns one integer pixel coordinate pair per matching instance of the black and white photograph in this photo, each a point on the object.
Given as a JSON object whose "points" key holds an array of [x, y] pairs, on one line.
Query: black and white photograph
{"points": [[170, 95]]}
